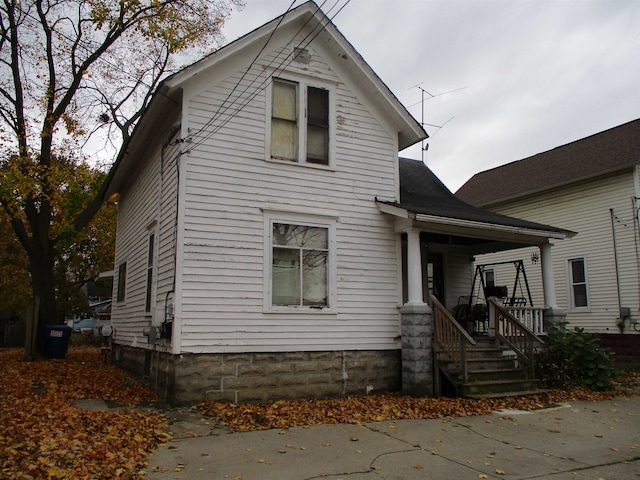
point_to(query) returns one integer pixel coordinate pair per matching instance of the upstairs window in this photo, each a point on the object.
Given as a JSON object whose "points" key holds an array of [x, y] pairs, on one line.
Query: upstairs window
{"points": [[284, 121], [300, 123], [317, 125], [578, 283]]}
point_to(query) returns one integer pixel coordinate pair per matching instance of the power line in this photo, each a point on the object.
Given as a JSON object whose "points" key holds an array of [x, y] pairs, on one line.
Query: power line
{"points": [[283, 64], [210, 121]]}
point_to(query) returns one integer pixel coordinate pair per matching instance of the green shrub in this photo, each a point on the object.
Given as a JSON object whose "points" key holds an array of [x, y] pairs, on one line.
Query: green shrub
{"points": [[574, 358]]}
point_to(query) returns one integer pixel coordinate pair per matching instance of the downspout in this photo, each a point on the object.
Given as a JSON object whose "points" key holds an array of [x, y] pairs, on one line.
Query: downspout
{"points": [[615, 258], [174, 130], [168, 315]]}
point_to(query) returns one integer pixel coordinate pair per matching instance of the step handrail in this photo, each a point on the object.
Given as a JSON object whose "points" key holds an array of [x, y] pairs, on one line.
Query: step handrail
{"points": [[515, 335], [451, 338]]}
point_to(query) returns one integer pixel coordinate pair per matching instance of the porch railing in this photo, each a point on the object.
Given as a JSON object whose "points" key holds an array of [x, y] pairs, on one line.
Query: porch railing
{"points": [[451, 338], [514, 334], [532, 318]]}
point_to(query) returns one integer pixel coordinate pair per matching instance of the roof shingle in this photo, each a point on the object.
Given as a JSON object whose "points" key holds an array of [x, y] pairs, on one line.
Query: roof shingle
{"points": [[598, 154], [422, 192]]}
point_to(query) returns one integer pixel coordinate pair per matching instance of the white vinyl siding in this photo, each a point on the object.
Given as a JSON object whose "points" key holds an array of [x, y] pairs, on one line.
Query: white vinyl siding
{"points": [[585, 208], [229, 186]]}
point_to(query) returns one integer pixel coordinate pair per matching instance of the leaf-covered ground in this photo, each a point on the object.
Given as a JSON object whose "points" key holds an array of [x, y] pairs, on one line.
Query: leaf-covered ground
{"points": [[377, 408], [44, 436]]}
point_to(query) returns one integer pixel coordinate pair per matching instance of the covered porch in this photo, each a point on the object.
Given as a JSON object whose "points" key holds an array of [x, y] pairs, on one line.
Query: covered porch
{"points": [[440, 237]]}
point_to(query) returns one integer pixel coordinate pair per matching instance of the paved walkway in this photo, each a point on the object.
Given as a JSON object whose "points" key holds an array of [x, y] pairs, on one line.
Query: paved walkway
{"points": [[581, 440]]}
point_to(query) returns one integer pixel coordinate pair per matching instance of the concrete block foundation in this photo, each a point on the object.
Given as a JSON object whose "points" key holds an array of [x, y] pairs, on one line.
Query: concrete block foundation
{"points": [[262, 377]]}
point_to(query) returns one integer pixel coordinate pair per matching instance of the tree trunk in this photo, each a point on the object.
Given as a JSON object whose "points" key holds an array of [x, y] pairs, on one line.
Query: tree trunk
{"points": [[44, 288]]}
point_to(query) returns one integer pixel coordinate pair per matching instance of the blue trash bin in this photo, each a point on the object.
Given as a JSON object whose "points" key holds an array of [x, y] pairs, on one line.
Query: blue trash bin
{"points": [[56, 340]]}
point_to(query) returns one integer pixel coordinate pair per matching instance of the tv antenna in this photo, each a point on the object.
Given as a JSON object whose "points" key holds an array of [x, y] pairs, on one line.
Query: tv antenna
{"points": [[425, 146]]}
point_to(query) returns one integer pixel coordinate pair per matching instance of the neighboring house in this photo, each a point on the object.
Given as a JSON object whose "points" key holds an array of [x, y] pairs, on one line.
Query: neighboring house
{"points": [[591, 186], [264, 216]]}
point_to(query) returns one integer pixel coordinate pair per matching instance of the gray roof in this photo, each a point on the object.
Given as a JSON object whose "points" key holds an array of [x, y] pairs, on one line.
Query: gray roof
{"points": [[422, 192], [600, 154]]}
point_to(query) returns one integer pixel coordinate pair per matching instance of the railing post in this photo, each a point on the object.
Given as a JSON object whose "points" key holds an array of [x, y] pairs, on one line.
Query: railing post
{"points": [[463, 357], [532, 367], [492, 320]]}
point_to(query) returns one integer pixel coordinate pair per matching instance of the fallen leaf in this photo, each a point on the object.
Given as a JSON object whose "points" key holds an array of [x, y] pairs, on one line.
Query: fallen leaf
{"points": [[500, 472], [417, 466]]}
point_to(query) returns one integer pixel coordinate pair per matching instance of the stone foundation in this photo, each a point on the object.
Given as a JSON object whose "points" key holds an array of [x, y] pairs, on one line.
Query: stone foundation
{"points": [[262, 377]]}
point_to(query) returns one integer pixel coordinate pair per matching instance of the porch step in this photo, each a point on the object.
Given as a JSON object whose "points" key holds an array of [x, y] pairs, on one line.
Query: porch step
{"points": [[492, 372], [506, 387], [523, 393], [495, 374], [477, 364]]}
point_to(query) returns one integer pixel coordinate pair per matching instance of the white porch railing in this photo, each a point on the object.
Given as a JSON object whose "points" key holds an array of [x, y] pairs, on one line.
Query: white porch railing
{"points": [[530, 317]]}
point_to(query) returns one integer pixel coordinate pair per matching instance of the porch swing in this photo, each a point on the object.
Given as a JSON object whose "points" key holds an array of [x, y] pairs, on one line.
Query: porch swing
{"points": [[473, 314]]}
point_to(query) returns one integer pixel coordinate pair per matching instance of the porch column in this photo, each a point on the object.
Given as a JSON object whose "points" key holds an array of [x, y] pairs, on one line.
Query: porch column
{"points": [[548, 282], [553, 316], [414, 268], [416, 326]]}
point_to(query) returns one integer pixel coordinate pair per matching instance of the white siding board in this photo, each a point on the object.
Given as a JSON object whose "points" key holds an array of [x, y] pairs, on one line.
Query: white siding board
{"points": [[585, 208]]}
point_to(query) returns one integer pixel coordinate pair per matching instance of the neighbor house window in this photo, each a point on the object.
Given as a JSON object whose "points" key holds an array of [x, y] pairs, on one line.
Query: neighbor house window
{"points": [[150, 259], [300, 122], [122, 281], [300, 266], [578, 283], [489, 278]]}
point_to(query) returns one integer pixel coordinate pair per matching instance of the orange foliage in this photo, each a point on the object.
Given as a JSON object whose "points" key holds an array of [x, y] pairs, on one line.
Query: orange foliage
{"points": [[43, 435], [378, 408]]}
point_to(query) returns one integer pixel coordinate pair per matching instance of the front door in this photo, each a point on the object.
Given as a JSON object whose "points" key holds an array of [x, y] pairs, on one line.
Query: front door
{"points": [[433, 277]]}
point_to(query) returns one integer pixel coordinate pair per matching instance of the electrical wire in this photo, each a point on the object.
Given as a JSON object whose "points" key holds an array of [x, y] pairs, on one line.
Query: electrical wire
{"points": [[262, 84], [305, 42], [217, 113]]}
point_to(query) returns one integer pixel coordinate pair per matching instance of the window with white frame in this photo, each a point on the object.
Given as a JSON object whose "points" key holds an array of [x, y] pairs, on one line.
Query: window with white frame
{"points": [[578, 283], [150, 261], [122, 282], [300, 122], [300, 265]]}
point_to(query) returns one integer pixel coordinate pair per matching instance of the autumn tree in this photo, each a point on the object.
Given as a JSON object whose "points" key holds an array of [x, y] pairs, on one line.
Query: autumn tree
{"points": [[75, 77], [15, 287]]}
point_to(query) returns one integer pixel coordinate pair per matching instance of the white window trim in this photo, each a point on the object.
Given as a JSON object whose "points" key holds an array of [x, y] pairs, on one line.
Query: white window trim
{"points": [[307, 220], [121, 263], [570, 293], [151, 231], [303, 82]]}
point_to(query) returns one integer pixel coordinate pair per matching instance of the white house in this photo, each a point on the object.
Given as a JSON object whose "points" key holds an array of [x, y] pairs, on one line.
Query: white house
{"points": [[262, 227], [591, 186]]}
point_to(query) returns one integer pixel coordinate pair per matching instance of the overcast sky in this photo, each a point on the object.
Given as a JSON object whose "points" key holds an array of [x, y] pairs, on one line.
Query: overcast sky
{"points": [[524, 76]]}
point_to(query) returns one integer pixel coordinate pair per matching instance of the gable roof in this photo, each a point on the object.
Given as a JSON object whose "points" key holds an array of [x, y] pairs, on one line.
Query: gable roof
{"points": [[423, 193], [606, 152], [307, 16]]}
